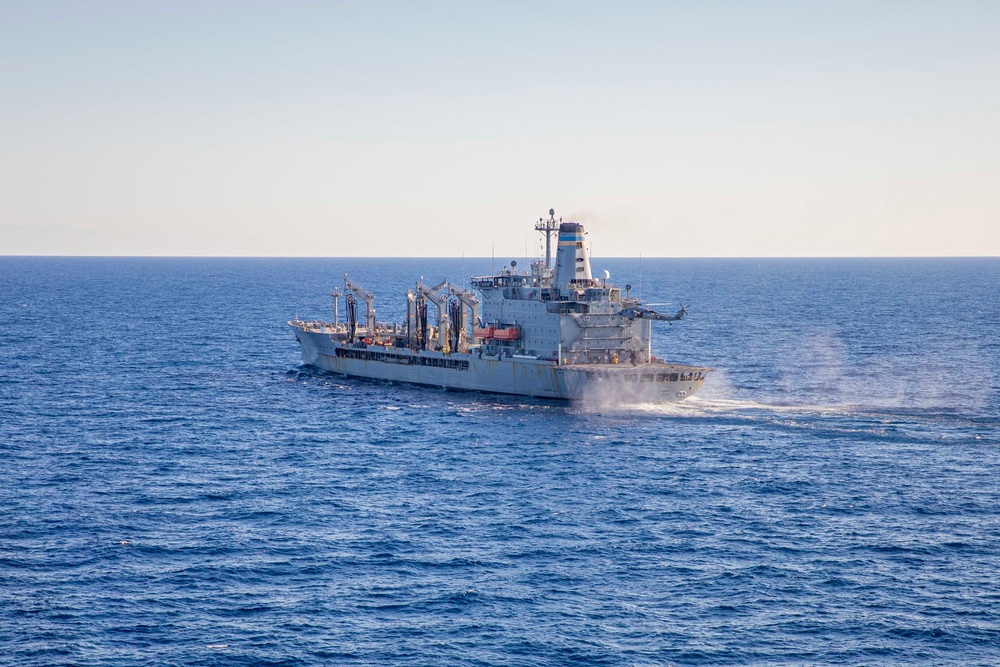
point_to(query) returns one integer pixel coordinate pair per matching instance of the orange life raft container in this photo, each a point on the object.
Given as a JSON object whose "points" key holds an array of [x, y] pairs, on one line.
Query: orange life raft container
{"points": [[510, 333]]}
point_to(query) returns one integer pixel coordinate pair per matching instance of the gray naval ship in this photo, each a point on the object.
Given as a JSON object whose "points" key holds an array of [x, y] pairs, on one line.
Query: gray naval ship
{"points": [[554, 333]]}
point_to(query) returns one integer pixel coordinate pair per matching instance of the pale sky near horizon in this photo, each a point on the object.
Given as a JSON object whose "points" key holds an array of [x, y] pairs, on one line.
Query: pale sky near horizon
{"points": [[437, 129]]}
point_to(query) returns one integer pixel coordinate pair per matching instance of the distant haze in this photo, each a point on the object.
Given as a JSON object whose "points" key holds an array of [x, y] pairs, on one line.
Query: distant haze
{"points": [[437, 129]]}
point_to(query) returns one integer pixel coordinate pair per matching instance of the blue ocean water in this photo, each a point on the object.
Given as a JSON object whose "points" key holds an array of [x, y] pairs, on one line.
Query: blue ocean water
{"points": [[177, 489]]}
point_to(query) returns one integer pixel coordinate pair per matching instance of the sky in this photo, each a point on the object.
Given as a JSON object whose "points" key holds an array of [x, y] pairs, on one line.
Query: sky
{"points": [[708, 129]]}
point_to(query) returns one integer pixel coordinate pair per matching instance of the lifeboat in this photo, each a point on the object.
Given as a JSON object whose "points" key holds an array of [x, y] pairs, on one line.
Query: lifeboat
{"points": [[484, 332], [509, 333]]}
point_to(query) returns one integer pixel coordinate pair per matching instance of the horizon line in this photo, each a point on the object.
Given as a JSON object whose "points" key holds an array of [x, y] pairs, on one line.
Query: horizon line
{"points": [[486, 257]]}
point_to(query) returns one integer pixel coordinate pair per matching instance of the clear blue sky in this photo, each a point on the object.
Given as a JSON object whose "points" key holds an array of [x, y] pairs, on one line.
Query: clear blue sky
{"points": [[380, 128]]}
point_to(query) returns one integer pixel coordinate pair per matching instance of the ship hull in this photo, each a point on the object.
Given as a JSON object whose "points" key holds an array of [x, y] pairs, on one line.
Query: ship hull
{"points": [[522, 376]]}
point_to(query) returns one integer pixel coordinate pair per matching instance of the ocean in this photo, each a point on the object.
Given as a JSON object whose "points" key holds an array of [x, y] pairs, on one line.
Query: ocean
{"points": [[177, 489]]}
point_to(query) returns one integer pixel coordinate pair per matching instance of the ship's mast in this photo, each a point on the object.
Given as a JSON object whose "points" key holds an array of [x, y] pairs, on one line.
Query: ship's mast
{"points": [[548, 227], [336, 301]]}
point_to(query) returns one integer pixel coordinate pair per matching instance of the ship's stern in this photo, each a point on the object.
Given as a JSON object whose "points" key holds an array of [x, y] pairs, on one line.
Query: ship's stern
{"points": [[626, 384]]}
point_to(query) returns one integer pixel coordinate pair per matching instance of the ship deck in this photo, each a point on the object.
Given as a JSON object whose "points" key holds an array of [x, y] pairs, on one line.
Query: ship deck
{"points": [[651, 367]]}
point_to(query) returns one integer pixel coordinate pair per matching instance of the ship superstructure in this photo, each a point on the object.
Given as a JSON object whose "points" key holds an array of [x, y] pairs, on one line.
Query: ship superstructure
{"points": [[554, 332]]}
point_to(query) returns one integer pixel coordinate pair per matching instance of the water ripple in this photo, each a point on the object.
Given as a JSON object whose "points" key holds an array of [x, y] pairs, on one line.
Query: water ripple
{"points": [[177, 489]]}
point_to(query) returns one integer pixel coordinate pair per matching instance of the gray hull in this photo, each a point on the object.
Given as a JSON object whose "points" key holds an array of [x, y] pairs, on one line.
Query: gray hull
{"points": [[614, 383]]}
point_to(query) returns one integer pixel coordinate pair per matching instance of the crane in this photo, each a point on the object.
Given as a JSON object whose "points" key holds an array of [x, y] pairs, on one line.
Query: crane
{"points": [[469, 301], [369, 300], [440, 302]]}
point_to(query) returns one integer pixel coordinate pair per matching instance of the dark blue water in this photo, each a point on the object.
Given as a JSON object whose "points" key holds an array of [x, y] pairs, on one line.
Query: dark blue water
{"points": [[176, 489]]}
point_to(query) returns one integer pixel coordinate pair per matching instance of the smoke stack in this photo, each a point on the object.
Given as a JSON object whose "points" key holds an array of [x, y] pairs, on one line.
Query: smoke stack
{"points": [[572, 260]]}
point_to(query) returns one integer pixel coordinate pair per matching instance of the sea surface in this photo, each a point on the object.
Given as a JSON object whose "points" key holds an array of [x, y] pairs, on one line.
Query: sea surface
{"points": [[177, 489]]}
